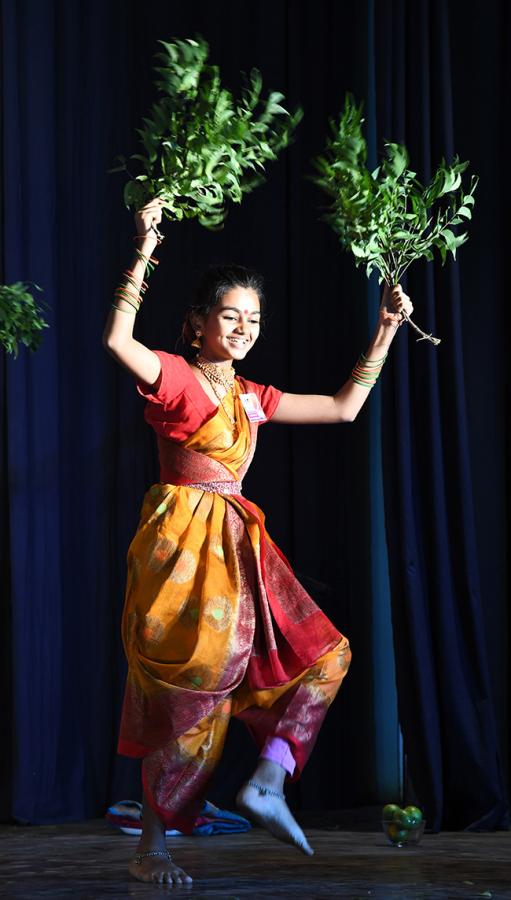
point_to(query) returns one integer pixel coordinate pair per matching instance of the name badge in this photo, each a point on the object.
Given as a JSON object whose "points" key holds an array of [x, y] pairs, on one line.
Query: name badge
{"points": [[252, 407]]}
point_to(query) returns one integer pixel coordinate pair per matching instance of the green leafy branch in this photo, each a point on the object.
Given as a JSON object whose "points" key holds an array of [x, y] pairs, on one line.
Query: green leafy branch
{"points": [[21, 321], [201, 147], [386, 217]]}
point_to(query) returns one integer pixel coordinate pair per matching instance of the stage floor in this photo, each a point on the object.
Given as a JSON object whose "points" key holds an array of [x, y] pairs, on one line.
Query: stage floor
{"points": [[87, 861]]}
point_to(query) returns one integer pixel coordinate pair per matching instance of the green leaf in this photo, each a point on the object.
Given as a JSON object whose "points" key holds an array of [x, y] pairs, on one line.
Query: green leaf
{"points": [[135, 194], [21, 320], [201, 148], [397, 159], [386, 217], [449, 238]]}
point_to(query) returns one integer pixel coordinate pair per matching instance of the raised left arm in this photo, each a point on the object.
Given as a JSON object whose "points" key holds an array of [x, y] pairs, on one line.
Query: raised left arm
{"points": [[344, 406]]}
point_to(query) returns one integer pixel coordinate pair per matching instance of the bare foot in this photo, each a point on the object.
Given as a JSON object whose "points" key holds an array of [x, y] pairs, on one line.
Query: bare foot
{"points": [[273, 814], [157, 869], [152, 860]]}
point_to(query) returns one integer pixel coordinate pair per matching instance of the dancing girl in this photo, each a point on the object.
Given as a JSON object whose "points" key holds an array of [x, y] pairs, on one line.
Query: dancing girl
{"points": [[215, 622]]}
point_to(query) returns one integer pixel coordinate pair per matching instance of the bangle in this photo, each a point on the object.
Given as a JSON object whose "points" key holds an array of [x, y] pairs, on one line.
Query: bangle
{"points": [[367, 371], [150, 262], [157, 236], [373, 362], [123, 293], [125, 299], [130, 313], [131, 290], [129, 276], [126, 287]]}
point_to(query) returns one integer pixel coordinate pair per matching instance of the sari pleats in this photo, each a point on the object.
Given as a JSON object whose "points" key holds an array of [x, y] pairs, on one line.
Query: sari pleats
{"points": [[215, 623]]}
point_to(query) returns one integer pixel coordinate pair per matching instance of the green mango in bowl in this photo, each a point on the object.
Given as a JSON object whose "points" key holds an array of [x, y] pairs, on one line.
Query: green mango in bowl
{"points": [[388, 812]]}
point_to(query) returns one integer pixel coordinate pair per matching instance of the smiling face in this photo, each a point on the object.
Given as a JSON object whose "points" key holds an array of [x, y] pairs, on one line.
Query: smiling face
{"points": [[232, 327]]}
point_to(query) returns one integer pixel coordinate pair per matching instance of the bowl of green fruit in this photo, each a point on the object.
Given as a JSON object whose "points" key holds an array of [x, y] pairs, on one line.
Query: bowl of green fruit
{"points": [[403, 827]]}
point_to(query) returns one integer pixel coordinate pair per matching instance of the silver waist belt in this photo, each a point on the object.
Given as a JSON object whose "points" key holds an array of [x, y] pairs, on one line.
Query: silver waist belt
{"points": [[217, 487]]}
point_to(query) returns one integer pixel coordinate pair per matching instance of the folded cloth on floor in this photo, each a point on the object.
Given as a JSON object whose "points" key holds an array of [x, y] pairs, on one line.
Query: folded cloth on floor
{"points": [[212, 820], [127, 816]]}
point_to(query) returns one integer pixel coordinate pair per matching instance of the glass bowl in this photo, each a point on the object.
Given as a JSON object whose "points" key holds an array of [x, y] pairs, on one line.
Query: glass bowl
{"points": [[399, 836]]}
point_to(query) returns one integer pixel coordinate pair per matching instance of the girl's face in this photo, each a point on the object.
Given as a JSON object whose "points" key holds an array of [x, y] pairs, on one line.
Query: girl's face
{"points": [[232, 327]]}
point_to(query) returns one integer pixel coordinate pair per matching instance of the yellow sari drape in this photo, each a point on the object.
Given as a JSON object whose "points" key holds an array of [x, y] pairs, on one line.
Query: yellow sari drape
{"points": [[212, 606]]}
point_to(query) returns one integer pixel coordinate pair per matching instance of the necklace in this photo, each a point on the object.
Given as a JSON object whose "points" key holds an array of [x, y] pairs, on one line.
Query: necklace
{"points": [[216, 374]]}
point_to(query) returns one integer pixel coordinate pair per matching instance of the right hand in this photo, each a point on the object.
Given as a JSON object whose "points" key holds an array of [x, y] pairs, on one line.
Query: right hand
{"points": [[149, 215], [394, 304]]}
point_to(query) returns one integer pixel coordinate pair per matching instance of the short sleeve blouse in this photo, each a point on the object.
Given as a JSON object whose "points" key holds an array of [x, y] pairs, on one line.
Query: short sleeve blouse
{"points": [[177, 404]]}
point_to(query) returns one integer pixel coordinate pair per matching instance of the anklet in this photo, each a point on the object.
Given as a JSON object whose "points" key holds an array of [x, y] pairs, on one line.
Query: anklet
{"points": [[264, 790], [137, 859]]}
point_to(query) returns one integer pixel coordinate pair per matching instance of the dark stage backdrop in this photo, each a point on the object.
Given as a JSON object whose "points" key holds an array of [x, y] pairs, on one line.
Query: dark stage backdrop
{"points": [[399, 519]]}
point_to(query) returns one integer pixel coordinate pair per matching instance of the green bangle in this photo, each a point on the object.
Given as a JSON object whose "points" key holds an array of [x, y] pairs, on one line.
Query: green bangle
{"points": [[147, 262], [122, 295], [131, 283], [363, 383], [366, 377], [374, 362], [130, 313]]}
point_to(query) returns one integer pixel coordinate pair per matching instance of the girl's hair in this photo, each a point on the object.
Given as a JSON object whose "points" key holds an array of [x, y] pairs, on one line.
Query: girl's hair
{"points": [[214, 283]]}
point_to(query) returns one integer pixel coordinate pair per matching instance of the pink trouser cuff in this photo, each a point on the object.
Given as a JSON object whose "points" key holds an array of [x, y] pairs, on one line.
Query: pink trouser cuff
{"points": [[278, 751]]}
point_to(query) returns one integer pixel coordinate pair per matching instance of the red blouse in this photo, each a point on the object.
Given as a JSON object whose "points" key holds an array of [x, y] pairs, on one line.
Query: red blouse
{"points": [[178, 405]]}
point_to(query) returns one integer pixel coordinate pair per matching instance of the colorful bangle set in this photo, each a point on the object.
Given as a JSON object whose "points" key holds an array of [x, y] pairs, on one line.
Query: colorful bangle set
{"points": [[131, 291], [366, 371], [149, 261]]}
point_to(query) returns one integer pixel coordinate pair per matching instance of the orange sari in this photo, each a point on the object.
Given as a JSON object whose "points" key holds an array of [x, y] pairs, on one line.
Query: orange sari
{"points": [[216, 624]]}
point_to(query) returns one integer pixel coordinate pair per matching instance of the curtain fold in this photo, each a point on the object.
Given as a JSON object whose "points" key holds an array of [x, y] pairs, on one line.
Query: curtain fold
{"points": [[445, 700], [66, 679]]}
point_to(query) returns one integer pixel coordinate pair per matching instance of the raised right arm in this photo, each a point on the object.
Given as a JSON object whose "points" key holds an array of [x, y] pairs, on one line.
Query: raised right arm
{"points": [[118, 337]]}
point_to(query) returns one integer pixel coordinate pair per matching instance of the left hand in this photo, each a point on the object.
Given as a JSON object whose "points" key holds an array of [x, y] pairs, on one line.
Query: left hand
{"points": [[394, 303]]}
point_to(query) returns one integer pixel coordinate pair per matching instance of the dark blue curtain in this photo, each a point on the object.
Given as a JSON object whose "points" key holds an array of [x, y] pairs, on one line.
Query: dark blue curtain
{"points": [[77, 457], [444, 688], [64, 522]]}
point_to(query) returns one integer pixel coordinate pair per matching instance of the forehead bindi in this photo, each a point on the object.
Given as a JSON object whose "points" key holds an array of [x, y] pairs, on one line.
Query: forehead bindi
{"points": [[239, 309], [241, 300]]}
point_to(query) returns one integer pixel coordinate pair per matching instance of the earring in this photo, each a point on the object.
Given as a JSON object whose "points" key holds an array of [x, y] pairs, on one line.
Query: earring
{"points": [[196, 343]]}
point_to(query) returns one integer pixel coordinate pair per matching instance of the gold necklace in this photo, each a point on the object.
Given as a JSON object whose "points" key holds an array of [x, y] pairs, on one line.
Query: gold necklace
{"points": [[215, 376], [215, 372]]}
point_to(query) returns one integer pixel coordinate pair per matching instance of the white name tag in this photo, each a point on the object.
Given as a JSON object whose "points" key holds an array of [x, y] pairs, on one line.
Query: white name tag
{"points": [[252, 408]]}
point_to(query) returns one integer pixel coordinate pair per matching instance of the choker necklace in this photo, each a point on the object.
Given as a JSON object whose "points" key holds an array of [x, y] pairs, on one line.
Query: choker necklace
{"points": [[214, 372], [217, 374]]}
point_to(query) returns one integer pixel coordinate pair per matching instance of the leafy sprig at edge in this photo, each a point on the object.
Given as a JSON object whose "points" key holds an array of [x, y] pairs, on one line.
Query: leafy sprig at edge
{"points": [[386, 218]]}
